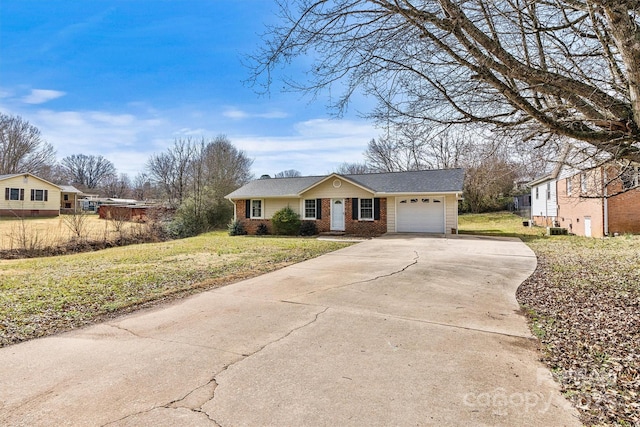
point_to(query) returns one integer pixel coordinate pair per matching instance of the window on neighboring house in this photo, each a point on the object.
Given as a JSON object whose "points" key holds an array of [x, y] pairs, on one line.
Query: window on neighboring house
{"points": [[366, 208], [310, 209], [629, 177], [256, 208], [39, 195], [14, 193], [548, 191], [537, 193], [66, 197], [583, 182], [569, 186]]}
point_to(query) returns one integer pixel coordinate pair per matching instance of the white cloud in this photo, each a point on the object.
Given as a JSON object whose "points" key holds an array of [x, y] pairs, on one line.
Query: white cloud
{"points": [[191, 132], [126, 140], [317, 146], [112, 119], [237, 114], [234, 113], [129, 137], [40, 96]]}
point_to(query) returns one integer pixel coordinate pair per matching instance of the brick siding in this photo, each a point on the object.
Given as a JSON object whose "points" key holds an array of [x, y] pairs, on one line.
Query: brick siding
{"points": [[355, 227], [623, 209], [23, 213]]}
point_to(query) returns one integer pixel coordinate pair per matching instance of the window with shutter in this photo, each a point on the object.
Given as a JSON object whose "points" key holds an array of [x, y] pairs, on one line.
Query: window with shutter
{"points": [[366, 209], [310, 208], [256, 208]]}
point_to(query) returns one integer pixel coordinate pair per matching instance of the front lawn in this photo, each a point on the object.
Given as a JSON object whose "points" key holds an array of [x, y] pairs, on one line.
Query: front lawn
{"points": [[43, 296], [583, 303]]}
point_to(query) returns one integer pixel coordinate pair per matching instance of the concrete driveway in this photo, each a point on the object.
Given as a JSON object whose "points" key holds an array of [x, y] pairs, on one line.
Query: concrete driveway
{"points": [[403, 330]]}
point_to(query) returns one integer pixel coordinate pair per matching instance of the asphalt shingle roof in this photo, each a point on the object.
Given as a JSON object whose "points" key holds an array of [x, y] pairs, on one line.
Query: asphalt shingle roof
{"points": [[428, 181]]}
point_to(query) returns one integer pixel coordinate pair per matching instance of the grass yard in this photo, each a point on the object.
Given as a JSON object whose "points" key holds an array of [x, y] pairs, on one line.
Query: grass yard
{"points": [[583, 303], [36, 233], [43, 296]]}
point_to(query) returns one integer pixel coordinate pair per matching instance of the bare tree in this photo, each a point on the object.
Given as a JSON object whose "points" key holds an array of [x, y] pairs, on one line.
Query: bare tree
{"points": [[392, 153], [76, 222], [289, 173], [22, 148], [196, 175], [567, 68], [353, 169], [170, 170], [87, 171], [448, 148], [141, 186], [117, 186], [488, 183]]}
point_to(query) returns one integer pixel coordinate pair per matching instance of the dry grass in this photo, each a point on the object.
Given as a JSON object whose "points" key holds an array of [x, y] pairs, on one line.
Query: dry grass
{"points": [[39, 233], [42, 296]]}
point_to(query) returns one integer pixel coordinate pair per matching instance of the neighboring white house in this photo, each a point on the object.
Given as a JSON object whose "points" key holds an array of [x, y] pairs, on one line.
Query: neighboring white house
{"points": [[544, 200]]}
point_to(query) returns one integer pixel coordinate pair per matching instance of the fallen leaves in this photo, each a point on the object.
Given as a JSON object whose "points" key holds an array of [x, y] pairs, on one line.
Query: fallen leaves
{"points": [[583, 302]]}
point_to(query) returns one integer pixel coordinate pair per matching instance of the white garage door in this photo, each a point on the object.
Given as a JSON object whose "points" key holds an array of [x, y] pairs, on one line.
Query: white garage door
{"points": [[420, 215]]}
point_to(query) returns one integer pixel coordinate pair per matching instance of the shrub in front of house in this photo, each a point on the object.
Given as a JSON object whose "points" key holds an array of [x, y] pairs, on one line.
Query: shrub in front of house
{"points": [[286, 222], [308, 228], [236, 228], [262, 229]]}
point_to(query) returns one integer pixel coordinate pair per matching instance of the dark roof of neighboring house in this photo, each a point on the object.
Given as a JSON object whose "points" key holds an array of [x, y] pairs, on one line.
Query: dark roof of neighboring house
{"points": [[427, 181]]}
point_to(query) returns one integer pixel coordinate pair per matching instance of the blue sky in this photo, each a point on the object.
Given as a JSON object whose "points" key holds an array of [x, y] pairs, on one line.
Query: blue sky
{"points": [[124, 78]]}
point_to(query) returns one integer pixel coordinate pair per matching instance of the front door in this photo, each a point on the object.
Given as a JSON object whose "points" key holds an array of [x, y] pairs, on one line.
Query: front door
{"points": [[337, 214]]}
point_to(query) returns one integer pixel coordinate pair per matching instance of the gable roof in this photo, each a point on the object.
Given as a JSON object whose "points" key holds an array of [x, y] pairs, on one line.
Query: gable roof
{"points": [[427, 181], [13, 175]]}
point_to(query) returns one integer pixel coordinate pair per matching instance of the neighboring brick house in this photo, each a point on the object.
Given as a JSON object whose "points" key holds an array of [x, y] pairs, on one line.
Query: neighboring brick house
{"points": [[600, 201], [367, 204], [26, 195]]}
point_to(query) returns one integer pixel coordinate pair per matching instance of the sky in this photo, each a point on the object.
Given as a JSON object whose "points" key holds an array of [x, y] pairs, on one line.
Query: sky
{"points": [[125, 78]]}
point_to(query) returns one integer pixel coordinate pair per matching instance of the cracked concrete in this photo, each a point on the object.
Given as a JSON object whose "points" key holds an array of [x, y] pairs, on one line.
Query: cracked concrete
{"points": [[401, 330]]}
